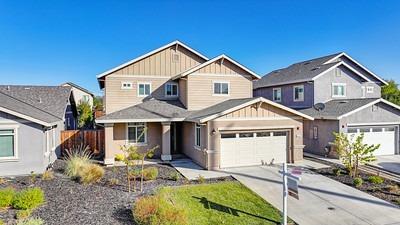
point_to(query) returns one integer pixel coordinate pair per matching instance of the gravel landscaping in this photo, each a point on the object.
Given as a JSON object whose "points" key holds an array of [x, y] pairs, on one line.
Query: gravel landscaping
{"points": [[69, 202], [388, 190]]}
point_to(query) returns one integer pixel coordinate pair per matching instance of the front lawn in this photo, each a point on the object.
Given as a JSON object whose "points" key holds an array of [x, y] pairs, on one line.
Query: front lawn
{"points": [[221, 203]]}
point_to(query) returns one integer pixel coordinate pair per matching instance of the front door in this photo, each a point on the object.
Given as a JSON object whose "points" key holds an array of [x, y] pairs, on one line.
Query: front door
{"points": [[175, 137]]}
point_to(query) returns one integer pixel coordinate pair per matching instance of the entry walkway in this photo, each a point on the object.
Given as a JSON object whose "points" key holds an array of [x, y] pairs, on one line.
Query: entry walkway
{"points": [[192, 171]]}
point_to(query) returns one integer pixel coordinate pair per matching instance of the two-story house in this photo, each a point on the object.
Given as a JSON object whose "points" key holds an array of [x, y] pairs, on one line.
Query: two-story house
{"points": [[341, 95], [186, 103]]}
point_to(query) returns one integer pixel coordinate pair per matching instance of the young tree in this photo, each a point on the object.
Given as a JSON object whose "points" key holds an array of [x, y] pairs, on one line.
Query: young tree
{"points": [[85, 114], [131, 155], [146, 154], [391, 92], [97, 103], [353, 153]]}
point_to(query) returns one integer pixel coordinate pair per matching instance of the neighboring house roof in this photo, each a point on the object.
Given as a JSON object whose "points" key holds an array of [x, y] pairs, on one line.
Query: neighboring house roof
{"points": [[149, 111], [78, 87], [41, 104], [308, 71], [223, 57], [232, 105], [148, 54], [337, 109]]}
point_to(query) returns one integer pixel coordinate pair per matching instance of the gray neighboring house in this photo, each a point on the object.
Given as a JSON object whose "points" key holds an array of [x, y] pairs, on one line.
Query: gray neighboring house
{"points": [[350, 97], [31, 118]]}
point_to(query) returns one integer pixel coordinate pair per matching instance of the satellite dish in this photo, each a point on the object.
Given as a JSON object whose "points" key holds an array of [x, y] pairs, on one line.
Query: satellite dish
{"points": [[319, 106]]}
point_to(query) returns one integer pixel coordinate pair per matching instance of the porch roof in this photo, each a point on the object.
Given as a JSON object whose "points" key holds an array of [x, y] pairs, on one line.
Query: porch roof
{"points": [[149, 111]]}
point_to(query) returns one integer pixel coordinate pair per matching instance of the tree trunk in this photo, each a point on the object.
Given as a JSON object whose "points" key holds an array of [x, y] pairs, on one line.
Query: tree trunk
{"points": [[141, 179], [129, 182]]}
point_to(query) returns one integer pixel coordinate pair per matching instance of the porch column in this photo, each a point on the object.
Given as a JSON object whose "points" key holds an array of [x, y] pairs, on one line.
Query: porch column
{"points": [[108, 143], [166, 141]]}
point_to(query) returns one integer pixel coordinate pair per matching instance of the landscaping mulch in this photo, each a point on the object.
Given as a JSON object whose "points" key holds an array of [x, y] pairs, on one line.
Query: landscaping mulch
{"points": [[381, 191], [69, 202]]}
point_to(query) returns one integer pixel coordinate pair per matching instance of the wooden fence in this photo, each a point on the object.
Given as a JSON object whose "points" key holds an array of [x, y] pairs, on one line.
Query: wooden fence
{"points": [[75, 138]]}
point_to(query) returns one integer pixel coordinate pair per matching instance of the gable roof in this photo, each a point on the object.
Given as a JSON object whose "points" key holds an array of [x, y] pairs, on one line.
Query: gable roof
{"points": [[44, 105], [149, 54], [337, 109], [223, 57], [149, 111], [308, 71], [78, 87], [232, 105]]}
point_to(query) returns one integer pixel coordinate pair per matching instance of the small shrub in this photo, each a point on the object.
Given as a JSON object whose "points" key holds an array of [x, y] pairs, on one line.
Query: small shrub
{"points": [[150, 173], [23, 214], [337, 171], [113, 181], [397, 201], [357, 181], [174, 176], [33, 177], [75, 160], [48, 175], [91, 173], [201, 179], [135, 173], [29, 198], [32, 221], [154, 210], [392, 188], [1, 222], [6, 197], [375, 179], [119, 157]]}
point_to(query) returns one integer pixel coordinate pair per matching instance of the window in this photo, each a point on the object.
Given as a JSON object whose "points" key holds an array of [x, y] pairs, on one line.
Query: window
{"points": [[279, 133], [352, 130], [126, 85], [86, 98], [315, 132], [7, 143], [137, 133], [171, 90], [370, 89], [197, 134], [263, 134], [277, 94], [246, 135], [298, 93], [375, 108], [338, 90], [233, 135], [338, 72], [221, 88], [144, 89]]}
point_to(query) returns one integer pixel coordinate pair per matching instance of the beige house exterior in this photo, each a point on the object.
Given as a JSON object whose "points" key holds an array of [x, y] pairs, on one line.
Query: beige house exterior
{"points": [[202, 108]]}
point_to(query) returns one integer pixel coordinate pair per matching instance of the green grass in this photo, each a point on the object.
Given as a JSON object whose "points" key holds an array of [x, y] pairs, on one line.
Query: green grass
{"points": [[221, 203]]}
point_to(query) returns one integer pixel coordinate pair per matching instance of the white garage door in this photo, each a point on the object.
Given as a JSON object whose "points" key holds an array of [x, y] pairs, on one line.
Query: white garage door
{"points": [[253, 148], [385, 136]]}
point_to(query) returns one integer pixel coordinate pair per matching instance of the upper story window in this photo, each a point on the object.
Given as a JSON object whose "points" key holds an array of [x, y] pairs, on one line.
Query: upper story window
{"points": [[171, 90], [221, 88], [298, 93], [136, 133], [370, 89], [338, 90], [277, 94], [8, 144], [126, 85], [197, 134], [144, 89], [86, 98]]}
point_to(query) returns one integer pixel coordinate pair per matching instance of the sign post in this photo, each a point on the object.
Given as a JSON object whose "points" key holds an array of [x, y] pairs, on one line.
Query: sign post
{"points": [[290, 187]]}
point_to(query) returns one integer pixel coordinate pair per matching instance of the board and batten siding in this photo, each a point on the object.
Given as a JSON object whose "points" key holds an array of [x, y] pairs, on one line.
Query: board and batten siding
{"points": [[162, 63], [156, 69]]}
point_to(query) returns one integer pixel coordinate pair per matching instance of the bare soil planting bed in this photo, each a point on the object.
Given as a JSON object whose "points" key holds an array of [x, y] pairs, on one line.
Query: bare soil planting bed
{"points": [[69, 202], [388, 190]]}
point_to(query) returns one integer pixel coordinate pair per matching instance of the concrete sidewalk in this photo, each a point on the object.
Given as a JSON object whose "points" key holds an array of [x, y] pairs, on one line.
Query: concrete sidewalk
{"points": [[192, 171], [323, 201]]}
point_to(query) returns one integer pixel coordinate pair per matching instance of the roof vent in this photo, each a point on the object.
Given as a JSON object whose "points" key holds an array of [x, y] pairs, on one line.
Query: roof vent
{"points": [[175, 57], [315, 68], [343, 101], [306, 63], [8, 87], [319, 106], [40, 100], [27, 88]]}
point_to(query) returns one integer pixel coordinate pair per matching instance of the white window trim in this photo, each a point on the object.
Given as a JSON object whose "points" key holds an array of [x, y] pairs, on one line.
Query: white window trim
{"points": [[294, 93], [177, 90], [126, 88], [273, 94], [370, 89], [363, 92], [144, 83], [198, 147], [333, 90], [136, 143], [222, 82], [15, 128]]}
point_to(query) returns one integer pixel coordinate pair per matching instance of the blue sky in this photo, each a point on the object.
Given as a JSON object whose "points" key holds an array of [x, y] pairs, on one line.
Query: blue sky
{"points": [[50, 42]]}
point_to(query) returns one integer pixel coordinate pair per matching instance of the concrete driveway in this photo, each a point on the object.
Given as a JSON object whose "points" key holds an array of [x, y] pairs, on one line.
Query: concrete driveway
{"points": [[389, 163], [323, 201]]}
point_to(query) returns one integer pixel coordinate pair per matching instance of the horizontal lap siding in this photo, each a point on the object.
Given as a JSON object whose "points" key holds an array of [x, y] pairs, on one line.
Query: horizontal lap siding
{"points": [[264, 110]]}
